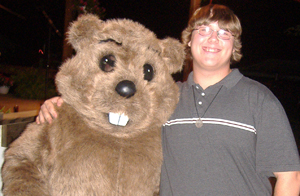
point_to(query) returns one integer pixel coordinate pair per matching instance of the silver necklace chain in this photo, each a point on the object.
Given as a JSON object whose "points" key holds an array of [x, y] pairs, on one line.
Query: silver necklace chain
{"points": [[199, 122]]}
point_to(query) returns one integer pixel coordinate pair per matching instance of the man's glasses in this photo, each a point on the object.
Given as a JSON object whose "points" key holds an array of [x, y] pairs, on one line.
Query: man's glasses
{"points": [[207, 31]]}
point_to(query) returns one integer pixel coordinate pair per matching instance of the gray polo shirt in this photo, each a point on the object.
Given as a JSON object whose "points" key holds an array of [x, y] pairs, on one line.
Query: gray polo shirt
{"points": [[245, 137]]}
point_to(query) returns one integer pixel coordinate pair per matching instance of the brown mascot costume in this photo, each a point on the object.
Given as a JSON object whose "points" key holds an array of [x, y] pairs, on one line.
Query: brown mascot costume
{"points": [[118, 91]]}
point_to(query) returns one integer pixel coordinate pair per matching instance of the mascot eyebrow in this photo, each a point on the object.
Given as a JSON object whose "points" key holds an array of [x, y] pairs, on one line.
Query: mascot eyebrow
{"points": [[156, 51], [120, 44], [110, 40]]}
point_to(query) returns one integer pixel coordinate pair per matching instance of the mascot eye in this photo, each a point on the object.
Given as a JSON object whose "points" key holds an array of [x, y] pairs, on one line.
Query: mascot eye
{"points": [[148, 72], [107, 63]]}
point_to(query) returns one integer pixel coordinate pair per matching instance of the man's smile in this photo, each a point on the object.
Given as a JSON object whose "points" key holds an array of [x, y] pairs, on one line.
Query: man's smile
{"points": [[207, 49]]}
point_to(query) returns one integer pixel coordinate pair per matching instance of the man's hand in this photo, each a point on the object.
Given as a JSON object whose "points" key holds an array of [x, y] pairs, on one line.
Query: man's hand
{"points": [[47, 111]]}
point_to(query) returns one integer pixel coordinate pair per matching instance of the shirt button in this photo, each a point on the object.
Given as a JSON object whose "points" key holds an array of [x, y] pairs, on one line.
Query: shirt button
{"points": [[197, 87], [203, 94], [200, 102]]}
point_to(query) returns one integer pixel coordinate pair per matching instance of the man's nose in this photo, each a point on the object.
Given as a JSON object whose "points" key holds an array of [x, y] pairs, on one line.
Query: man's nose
{"points": [[214, 36]]}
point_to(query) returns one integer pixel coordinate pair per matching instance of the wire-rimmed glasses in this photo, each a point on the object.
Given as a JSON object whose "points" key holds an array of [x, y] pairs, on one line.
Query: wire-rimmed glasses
{"points": [[207, 31]]}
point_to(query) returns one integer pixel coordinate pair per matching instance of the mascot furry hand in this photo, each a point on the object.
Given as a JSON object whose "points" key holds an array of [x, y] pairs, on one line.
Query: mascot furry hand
{"points": [[117, 92]]}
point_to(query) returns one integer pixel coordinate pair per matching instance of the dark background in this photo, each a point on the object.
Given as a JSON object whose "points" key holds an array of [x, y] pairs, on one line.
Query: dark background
{"points": [[264, 26], [271, 37]]}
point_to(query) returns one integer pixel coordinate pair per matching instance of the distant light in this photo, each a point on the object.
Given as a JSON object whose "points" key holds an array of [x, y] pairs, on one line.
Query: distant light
{"points": [[41, 51]]}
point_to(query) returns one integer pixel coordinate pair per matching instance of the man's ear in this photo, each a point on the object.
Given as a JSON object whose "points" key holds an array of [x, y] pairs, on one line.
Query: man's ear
{"points": [[84, 30], [173, 54]]}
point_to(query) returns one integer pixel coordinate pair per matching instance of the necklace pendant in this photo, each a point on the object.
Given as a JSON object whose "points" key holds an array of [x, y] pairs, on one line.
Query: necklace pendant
{"points": [[199, 123]]}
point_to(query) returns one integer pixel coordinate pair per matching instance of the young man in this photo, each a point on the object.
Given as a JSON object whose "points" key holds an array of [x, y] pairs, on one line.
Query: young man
{"points": [[228, 134]]}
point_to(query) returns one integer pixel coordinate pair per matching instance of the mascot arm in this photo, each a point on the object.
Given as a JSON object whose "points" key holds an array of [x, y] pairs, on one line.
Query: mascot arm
{"points": [[22, 170]]}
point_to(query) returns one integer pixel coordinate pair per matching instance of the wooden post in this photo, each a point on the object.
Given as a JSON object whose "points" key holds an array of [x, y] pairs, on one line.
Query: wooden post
{"points": [[195, 4], [67, 48]]}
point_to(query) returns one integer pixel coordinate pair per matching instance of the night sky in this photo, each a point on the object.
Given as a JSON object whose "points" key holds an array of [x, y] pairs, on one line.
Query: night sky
{"points": [[24, 30]]}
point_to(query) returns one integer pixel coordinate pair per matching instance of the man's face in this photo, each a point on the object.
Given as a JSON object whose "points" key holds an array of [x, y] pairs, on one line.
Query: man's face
{"points": [[210, 52]]}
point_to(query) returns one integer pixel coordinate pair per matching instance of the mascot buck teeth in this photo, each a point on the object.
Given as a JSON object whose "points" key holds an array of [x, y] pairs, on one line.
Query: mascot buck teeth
{"points": [[118, 91]]}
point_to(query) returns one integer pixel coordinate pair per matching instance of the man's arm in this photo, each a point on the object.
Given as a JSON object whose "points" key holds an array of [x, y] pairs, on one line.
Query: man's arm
{"points": [[287, 184], [47, 111]]}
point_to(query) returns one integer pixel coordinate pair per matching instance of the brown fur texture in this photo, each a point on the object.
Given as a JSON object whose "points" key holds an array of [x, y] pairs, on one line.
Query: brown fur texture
{"points": [[81, 153]]}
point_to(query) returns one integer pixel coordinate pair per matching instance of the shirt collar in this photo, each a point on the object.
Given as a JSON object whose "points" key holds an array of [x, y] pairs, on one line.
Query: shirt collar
{"points": [[229, 81]]}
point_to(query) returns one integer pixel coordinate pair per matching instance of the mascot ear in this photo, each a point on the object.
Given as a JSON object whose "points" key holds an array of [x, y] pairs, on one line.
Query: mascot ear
{"points": [[84, 30], [173, 54]]}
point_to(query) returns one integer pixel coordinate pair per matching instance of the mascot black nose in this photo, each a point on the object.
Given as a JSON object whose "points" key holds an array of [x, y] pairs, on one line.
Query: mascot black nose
{"points": [[126, 88]]}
